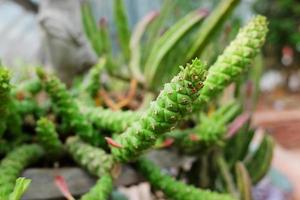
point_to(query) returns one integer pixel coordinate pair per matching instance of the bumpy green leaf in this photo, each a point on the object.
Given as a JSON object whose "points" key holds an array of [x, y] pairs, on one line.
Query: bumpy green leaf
{"points": [[212, 129], [95, 160], [175, 189], [166, 43], [233, 62], [92, 84], [14, 163], [68, 109], [10, 119], [114, 121], [101, 190], [48, 137], [32, 86], [173, 103]]}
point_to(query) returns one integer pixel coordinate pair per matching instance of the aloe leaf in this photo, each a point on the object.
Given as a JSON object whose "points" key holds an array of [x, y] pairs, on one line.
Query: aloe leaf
{"points": [[106, 47], [243, 181], [122, 26], [259, 163], [225, 173], [155, 28], [210, 25], [91, 27], [165, 44], [135, 46]]}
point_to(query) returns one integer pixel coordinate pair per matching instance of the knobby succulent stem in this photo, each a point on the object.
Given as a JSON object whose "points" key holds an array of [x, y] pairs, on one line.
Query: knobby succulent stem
{"points": [[101, 190], [173, 103], [175, 189], [13, 164], [95, 160], [234, 60], [69, 110]]}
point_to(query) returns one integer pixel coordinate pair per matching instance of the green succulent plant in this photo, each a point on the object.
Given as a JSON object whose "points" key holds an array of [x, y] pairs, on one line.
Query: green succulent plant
{"points": [[43, 117]]}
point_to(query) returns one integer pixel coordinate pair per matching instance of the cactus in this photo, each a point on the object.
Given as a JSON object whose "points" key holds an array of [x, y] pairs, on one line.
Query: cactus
{"points": [[101, 190], [172, 104], [48, 138], [234, 60], [95, 160], [174, 189], [69, 110], [13, 164]]}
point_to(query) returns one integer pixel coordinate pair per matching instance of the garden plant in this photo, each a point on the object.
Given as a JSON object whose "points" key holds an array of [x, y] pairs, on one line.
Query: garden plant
{"points": [[198, 110]]}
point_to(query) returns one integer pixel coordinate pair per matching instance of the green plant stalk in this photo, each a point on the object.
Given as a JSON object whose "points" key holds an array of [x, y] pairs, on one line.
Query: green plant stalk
{"points": [[101, 190], [114, 121], [233, 62], [30, 87], [21, 186], [14, 120], [95, 160], [173, 103], [210, 26], [259, 164], [13, 164], [5, 88], [122, 26], [68, 109], [167, 42], [93, 82], [10, 119], [29, 106], [175, 189], [48, 138], [210, 131]]}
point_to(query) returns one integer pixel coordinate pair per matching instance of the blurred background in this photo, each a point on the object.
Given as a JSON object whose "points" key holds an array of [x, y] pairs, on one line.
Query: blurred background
{"points": [[278, 108]]}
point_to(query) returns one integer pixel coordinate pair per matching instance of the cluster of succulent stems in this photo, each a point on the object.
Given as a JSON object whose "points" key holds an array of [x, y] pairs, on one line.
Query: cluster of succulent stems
{"points": [[132, 133]]}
